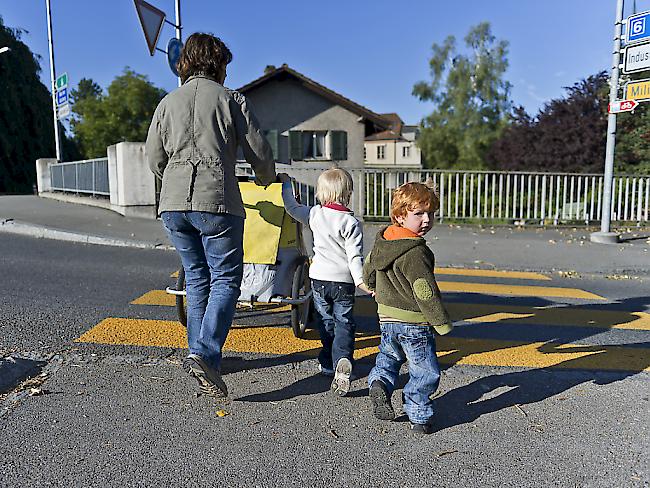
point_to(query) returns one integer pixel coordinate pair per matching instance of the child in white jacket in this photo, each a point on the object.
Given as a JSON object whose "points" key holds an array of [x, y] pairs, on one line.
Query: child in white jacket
{"points": [[336, 268]]}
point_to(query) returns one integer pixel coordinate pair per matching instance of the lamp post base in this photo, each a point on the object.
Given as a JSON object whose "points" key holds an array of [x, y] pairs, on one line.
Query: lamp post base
{"points": [[604, 237]]}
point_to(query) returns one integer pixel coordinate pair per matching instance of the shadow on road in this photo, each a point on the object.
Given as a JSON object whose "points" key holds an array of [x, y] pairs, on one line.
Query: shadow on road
{"points": [[465, 404]]}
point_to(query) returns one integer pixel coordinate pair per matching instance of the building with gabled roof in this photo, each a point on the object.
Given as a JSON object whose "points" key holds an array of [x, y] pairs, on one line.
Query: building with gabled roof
{"points": [[308, 123]]}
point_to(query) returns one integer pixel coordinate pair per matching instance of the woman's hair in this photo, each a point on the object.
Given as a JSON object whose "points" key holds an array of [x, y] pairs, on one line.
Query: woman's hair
{"points": [[334, 186], [412, 194], [203, 54]]}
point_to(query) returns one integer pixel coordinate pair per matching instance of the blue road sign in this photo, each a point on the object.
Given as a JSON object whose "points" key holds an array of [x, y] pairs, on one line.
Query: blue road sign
{"points": [[174, 47], [62, 96], [638, 27]]}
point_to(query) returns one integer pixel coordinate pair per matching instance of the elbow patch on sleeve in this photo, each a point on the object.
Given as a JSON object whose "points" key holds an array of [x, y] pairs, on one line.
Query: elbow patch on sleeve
{"points": [[422, 289]]}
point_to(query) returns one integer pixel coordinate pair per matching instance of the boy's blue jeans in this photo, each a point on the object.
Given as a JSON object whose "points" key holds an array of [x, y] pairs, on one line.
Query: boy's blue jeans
{"points": [[417, 344], [211, 249], [334, 302]]}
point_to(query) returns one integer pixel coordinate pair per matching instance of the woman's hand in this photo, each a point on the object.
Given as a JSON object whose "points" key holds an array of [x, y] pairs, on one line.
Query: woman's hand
{"points": [[284, 178]]}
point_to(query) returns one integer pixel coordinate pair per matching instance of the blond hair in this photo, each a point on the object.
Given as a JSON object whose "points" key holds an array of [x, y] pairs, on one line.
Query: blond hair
{"points": [[412, 194], [334, 186]]}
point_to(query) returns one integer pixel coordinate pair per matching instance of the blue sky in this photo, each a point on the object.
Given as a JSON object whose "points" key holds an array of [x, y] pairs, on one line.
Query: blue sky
{"points": [[369, 51]]}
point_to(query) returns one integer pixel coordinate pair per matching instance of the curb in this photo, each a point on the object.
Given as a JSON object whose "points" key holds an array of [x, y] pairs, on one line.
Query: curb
{"points": [[13, 227]]}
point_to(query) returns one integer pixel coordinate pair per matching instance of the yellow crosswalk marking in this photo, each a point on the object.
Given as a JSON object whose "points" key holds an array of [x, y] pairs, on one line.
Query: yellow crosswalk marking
{"points": [[451, 350], [479, 313], [492, 273], [553, 316], [518, 290], [156, 297]]}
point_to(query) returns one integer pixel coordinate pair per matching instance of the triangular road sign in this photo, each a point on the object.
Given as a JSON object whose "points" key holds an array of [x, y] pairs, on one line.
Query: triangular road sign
{"points": [[151, 20]]}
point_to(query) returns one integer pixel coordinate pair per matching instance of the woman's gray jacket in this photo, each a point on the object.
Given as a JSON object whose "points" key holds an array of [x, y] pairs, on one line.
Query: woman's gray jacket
{"points": [[192, 146]]}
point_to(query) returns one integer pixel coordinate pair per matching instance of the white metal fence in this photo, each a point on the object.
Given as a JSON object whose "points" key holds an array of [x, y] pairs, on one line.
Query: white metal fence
{"points": [[88, 176], [471, 196], [551, 198]]}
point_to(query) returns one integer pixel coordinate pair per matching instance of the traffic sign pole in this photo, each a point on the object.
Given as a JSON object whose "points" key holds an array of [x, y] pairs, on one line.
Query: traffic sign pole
{"points": [[57, 140], [178, 28], [605, 235]]}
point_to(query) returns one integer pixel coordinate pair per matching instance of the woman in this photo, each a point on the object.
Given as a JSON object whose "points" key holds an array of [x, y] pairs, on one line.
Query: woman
{"points": [[192, 146]]}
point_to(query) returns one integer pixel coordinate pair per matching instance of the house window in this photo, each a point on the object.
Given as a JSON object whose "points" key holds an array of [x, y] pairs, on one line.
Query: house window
{"points": [[313, 144], [381, 152], [406, 151], [308, 145]]}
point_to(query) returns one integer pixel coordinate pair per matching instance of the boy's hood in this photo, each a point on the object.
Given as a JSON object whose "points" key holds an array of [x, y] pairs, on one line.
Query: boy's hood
{"points": [[385, 252]]}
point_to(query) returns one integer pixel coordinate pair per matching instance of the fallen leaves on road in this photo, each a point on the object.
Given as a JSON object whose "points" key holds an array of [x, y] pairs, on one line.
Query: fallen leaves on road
{"points": [[518, 407], [222, 413], [569, 274], [621, 277], [37, 392], [444, 453]]}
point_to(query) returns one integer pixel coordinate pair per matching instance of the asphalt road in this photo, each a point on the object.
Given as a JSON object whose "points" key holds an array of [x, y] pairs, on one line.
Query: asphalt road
{"points": [[127, 415]]}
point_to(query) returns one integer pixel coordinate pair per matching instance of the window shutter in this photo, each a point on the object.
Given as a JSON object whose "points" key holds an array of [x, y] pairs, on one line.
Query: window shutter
{"points": [[339, 140], [295, 145], [273, 137]]}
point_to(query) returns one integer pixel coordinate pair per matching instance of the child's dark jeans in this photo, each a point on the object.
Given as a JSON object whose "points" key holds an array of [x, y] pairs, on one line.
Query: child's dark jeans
{"points": [[334, 302], [399, 342]]}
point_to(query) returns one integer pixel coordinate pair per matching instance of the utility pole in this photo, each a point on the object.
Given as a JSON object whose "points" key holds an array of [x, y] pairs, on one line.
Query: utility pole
{"points": [[57, 140], [178, 28], [605, 236]]}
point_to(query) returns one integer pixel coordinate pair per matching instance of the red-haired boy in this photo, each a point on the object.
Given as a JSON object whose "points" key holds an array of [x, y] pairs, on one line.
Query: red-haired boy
{"points": [[400, 271]]}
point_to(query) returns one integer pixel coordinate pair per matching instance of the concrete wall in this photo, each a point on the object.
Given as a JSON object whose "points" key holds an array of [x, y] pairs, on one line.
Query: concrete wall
{"points": [[131, 182], [43, 174], [132, 185]]}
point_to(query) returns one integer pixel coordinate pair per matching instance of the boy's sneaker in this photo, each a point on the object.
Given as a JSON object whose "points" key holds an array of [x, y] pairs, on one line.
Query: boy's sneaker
{"points": [[421, 428], [325, 371], [381, 406], [209, 379], [341, 383]]}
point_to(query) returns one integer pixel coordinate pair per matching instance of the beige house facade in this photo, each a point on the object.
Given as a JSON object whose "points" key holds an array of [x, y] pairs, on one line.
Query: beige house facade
{"points": [[395, 147]]}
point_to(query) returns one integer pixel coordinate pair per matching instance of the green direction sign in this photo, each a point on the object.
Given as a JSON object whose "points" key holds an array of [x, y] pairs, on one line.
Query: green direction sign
{"points": [[62, 81]]}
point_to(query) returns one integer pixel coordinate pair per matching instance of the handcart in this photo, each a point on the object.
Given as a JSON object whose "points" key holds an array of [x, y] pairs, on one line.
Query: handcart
{"points": [[276, 262]]}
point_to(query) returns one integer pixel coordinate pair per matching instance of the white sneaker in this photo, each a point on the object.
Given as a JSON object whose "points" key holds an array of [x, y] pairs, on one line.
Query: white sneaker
{"points": [[341, 383]]}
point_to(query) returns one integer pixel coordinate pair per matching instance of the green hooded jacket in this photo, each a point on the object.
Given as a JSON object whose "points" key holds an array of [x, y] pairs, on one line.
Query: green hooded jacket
{"points": [[401, 274]]}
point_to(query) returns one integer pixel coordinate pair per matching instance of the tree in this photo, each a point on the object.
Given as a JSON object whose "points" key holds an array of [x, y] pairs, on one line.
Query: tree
{"points": [[568, 134], [26, 119], [632, 151], [124, 114], [472, 101]]}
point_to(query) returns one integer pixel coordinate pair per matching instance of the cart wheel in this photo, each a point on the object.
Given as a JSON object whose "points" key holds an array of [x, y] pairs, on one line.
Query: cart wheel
{"points": [[300, 314], [181, 309]]}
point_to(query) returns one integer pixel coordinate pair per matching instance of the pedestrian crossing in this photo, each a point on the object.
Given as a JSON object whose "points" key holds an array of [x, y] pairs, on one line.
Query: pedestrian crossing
{"points": [[502, 318]]}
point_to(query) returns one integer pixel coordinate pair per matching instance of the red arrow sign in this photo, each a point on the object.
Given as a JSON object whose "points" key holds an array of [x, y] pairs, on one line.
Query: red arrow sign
{"points": [[622, 106]]}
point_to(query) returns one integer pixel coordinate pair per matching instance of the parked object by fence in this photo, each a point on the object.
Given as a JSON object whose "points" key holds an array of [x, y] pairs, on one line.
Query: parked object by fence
{"points": [[88, 176]]}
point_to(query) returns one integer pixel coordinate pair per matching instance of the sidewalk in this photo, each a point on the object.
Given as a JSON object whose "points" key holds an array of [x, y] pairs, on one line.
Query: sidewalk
{"points": [[507, 248], [43, 217]]}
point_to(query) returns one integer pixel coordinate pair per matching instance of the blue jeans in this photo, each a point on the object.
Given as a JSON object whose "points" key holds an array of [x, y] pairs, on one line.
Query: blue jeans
{"points": [[211, 249], [334, 302], [417, 343]]}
